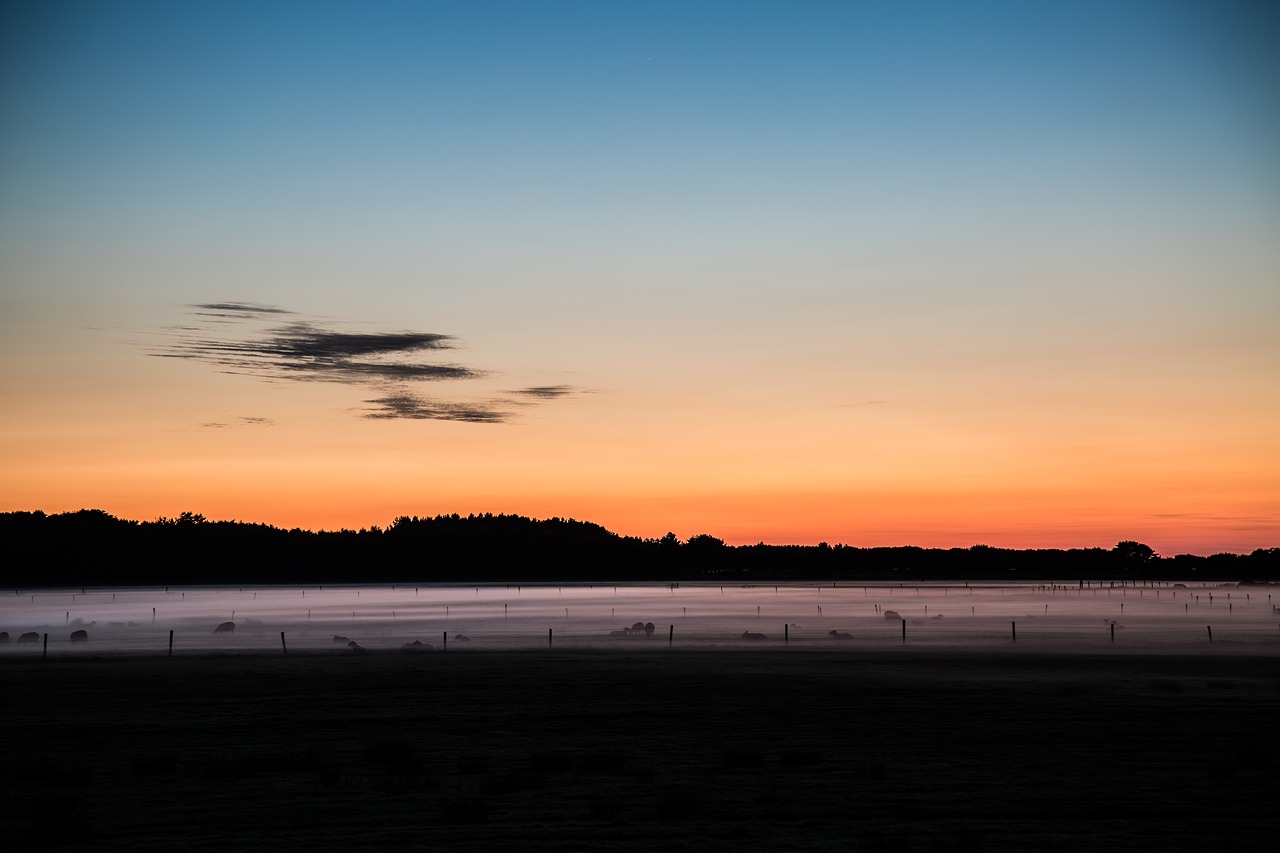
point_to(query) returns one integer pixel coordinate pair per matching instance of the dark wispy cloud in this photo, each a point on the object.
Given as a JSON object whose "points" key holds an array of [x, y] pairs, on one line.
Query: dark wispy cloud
{"points": [[274, 343], [546, 392], [236, 309], [310, 351], [413, 407]]}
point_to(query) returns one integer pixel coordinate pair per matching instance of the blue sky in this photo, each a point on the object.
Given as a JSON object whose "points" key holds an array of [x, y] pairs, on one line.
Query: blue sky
{"points": [[704, 214]]}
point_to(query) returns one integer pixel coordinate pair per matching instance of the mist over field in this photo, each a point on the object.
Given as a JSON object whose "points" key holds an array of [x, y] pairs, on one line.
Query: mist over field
{"points": [[1103, 617]]}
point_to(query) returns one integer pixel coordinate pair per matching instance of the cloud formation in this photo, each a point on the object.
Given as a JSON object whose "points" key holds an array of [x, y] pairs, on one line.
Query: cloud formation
{"points": [[412, 407], [308, 351], [273, 343]]}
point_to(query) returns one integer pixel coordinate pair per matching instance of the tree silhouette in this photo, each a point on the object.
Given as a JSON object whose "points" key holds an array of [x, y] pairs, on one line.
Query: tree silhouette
{"points": [[93, 547], [1134, 553]]}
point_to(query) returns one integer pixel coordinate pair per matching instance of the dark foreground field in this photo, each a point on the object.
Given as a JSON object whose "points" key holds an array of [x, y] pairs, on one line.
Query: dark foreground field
{"points": [[654, 751]]}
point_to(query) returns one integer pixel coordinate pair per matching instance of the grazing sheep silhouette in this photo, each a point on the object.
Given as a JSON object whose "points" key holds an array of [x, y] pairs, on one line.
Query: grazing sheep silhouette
{"points": [[461, 638], [839, 635], [338, 639], [4, 636], [29, 637], [80, 636], [355, 647], [415, 646], [646, 628], [225, 628], [893, 614], [747, 635]]}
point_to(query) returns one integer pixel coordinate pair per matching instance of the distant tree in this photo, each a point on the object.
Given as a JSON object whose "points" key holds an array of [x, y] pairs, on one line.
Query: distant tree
{"points": [[1134, 553]]}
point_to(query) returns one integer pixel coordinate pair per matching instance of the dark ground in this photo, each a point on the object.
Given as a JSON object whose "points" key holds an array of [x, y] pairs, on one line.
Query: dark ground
{"points": [[655, 751]]}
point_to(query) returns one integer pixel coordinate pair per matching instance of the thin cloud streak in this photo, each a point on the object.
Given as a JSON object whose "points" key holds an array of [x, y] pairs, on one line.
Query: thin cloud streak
{"points": [[236, 309], [546, 392], [241, 421]]}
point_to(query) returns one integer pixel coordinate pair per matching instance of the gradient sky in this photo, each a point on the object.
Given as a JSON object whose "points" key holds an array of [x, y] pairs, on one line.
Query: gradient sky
{"points": [[891, 273]]}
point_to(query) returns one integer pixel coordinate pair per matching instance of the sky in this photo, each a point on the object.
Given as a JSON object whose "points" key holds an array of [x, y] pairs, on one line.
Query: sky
{"points": [[873, 273]]}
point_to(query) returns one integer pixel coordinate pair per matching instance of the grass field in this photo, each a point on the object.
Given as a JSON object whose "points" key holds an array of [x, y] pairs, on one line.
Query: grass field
{"points": [[654, 751]]}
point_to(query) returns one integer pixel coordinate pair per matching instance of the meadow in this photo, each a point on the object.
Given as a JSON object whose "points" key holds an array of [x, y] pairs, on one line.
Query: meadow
{"points": [[779, 749]]}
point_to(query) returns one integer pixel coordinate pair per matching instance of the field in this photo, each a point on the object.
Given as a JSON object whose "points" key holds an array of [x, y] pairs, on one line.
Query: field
{"points": [[670, 750]]}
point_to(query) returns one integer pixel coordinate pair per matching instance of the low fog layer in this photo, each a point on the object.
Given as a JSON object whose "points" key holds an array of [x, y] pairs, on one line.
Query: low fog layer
{"points": [[1066, 617]]}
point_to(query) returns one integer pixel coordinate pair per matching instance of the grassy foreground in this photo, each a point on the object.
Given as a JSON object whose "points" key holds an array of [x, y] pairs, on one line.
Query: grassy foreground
{"points": [[655, 751]]}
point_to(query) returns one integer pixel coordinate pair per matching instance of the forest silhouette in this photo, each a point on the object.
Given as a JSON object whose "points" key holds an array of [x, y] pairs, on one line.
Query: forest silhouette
{"points": [[92, 547]]}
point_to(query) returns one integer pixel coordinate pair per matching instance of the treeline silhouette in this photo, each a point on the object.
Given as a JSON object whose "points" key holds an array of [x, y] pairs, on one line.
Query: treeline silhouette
{"points": [[92, 547]]}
